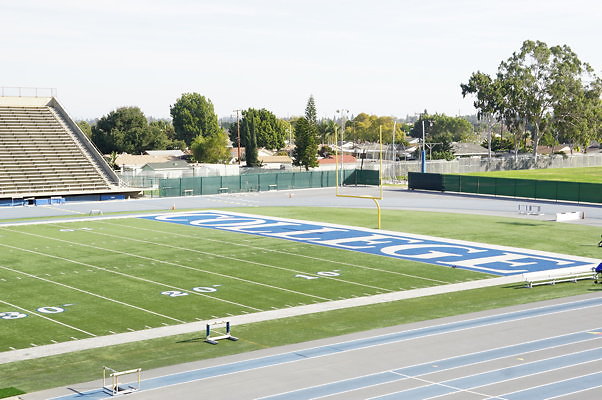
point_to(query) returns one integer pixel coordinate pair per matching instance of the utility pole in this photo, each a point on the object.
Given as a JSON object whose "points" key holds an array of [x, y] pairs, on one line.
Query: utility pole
{"points": [[423, 169], [238, 134]]}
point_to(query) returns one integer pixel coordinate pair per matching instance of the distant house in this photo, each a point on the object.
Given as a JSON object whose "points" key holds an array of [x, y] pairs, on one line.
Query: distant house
{"points": [[345, 161], [469, 150], [168, 169], [135, 162], [166, 153], [276, 162], [561, 148]]}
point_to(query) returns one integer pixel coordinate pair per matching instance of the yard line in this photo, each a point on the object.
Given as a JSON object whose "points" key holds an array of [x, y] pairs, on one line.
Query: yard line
{"points": [[92, 294], [285, 252], [45, 317], [239, 260], [174, 264], [127, 275]]}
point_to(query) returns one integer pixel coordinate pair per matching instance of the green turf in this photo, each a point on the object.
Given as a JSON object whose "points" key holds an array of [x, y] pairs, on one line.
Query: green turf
{"points": [[130, 262], [9, 392], [48, 372], [132, 274], [585, 174]]}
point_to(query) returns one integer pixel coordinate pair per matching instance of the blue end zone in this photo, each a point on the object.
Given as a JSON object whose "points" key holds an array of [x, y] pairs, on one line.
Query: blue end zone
{"points": [[479, 257]]}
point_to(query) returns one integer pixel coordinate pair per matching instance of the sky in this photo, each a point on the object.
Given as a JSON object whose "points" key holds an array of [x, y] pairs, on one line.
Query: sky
{"points": [[380, 57]]}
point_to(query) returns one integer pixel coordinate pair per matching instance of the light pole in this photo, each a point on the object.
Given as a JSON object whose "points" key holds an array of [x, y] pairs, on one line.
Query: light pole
{"points": [[423, 165], [343, 113], [238, 134]]}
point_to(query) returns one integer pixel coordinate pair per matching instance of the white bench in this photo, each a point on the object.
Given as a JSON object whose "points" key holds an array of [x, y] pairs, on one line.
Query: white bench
{"points": [[570, 216], [553, 277], [528, 209]]}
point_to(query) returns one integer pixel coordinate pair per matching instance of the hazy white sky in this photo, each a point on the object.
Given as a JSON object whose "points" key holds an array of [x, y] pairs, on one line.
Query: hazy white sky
{"points": [[376, 56]]}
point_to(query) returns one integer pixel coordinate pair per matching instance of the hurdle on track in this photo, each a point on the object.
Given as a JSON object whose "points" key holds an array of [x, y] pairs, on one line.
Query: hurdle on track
{"points": [[222, 328]]}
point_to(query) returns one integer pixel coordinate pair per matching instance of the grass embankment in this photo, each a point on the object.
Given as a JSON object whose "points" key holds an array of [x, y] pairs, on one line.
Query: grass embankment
{"points": [[585, 174], [32, 375]]}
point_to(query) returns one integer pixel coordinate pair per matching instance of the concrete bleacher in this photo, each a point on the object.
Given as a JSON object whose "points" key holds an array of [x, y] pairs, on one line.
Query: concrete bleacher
{"points": [[43, 153]]}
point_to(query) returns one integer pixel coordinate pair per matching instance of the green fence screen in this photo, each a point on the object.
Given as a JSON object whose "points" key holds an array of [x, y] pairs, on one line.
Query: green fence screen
{"points": [[262, 182], [527, 188]]}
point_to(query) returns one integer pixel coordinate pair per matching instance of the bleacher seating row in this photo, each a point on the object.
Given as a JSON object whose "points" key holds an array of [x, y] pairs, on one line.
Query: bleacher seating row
{"points": [[40, 154]]}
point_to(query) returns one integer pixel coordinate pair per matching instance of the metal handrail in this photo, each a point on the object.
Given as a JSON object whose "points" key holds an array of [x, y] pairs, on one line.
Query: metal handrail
{"points": [[7, 91]]}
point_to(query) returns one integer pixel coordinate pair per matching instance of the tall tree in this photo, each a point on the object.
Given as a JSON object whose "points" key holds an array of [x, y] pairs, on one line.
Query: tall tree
{"points": [[326, 130], [456, 128], [193, 115], [85, 127], [126, 130], [211, 149], [530, 88], [251, 144], [577, 117], [270, 132], [306, 146], [310, 111], [366, 128]]}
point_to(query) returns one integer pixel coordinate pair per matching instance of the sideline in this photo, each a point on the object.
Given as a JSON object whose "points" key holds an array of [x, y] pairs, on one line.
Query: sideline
{"points": [[154, 333]]}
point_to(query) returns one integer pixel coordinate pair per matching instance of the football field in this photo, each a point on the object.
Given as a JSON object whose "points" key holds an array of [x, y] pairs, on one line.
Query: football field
{"points": [[64, 281]]}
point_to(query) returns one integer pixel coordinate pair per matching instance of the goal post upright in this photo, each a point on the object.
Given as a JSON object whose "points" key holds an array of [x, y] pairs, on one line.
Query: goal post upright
{"points": [[376, 199]]}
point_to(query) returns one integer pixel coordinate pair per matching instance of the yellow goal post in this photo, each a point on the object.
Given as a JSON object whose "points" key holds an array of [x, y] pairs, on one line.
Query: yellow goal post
{"points": [[339, 181]]}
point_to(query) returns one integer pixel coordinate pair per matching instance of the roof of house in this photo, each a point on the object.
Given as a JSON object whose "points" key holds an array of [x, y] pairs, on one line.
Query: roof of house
{"points": [[137, 160], [172, 153], [173, 165], [561, 148], [469, 149], [334, 159], [275, 159]]}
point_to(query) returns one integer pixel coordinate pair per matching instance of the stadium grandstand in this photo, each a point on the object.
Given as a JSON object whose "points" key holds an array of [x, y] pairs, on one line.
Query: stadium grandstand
{"points": [[45, 158]]}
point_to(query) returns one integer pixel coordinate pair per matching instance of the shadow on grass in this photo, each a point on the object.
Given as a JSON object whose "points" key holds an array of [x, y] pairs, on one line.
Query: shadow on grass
{"points": [[518, 223], [196, 339]]}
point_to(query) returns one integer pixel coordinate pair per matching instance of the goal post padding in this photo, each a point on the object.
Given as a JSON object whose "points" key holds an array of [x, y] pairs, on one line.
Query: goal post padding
{"points": [[218, 330], [114, 387]]}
